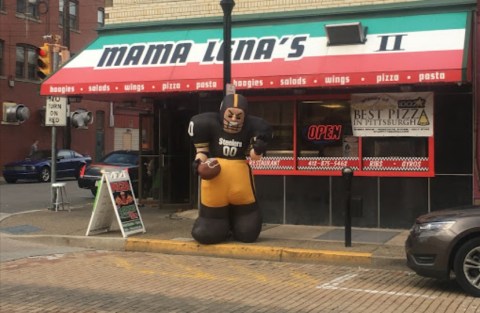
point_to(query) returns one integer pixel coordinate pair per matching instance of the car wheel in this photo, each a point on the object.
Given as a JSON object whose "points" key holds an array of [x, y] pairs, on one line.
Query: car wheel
{"points": [[467, 267], [44, 174], [94, 191], [10, 180]]}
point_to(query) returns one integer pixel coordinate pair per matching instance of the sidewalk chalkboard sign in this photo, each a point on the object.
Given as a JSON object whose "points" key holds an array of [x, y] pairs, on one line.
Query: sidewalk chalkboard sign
{"points": [[115, 198]]}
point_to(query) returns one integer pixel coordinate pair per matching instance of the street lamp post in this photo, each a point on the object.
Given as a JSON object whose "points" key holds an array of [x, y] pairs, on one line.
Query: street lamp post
{"points": [[227, 7]]}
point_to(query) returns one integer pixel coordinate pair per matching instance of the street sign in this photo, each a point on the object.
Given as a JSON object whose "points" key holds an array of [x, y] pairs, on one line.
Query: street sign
{"points": [[56, 111]]}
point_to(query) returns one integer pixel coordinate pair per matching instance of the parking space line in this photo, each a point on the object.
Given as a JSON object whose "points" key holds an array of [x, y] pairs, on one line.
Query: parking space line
{"points": [[334, 285]]}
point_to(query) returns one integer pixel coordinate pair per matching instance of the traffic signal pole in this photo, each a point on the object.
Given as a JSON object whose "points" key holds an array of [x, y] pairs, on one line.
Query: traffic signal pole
{"points": [[50, 58], [53, 172], [53, 175], [66, 42]]}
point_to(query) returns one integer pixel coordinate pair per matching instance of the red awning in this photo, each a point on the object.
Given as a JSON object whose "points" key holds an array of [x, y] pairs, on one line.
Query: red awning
{"points": [[398, 50]]}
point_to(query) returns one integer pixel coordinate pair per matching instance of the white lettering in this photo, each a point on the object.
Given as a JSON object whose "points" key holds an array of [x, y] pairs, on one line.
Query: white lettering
{"points": [[342, 80], [434, 76], [387, 78], [171, 86], [233, 143], [293, 81], [209, 84], [62, 89]]}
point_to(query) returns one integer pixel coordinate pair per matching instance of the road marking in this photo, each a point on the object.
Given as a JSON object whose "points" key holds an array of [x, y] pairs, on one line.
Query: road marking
{"points": [[49, 257], [334, 285]]}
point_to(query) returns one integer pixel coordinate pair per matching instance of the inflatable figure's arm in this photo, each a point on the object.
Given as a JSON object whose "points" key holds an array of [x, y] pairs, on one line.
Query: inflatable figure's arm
{"points": [[198, 129], [262, 136]]}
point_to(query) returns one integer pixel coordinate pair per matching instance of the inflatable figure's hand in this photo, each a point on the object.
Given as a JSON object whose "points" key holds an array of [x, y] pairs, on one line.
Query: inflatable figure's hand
{"points": [[259, 146], [195, 166]]}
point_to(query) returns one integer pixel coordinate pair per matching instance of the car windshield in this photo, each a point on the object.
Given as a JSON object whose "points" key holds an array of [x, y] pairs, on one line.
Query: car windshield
{"points": [[41, 155], [121, 158]]}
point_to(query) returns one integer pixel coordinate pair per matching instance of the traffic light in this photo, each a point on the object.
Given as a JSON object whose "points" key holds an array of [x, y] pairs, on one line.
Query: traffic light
{"points": [[81, 118], [44, 61], [14, 113]]}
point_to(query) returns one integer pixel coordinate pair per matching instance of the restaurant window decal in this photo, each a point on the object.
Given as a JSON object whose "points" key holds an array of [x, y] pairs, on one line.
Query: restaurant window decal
{"points": [[377, 134]]}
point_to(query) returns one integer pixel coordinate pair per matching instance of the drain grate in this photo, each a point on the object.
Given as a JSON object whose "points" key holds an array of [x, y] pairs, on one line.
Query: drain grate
{"points": [[20, 229], [360, 235]]}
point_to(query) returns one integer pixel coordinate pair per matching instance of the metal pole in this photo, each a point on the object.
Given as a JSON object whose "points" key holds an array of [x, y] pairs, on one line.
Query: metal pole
{"points": [[227, 7], [347, 173], [66, 43], [53, 170]]}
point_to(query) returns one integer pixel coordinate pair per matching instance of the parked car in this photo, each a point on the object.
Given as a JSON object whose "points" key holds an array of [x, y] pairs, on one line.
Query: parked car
{"points": [[447, 242], [116, 160], [38, 166]]}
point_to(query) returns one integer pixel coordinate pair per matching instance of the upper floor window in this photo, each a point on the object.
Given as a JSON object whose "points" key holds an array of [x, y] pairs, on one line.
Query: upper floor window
{"points": [[101, 17], [2, 60], [27, 7], [73, 13], [26, 62], [2, 5]]}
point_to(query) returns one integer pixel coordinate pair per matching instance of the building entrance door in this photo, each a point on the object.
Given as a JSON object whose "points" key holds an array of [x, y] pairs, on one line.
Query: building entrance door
{"points": [[166, 154]]}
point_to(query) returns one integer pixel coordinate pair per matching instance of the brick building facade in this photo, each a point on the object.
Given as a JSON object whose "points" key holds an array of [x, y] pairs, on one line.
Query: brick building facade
{"points": [[22, 30], [123, 11]]}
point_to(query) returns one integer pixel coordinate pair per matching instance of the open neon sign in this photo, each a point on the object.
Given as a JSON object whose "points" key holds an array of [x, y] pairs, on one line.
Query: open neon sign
{"points": [[324, 132]]}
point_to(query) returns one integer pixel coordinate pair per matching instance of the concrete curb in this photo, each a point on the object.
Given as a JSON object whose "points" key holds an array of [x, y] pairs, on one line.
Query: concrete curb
{"points": [[241, 251], [226, 250], [97, 243]]}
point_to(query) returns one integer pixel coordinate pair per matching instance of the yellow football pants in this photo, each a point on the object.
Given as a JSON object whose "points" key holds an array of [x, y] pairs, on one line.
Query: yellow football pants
{"points": [[234, 185]]}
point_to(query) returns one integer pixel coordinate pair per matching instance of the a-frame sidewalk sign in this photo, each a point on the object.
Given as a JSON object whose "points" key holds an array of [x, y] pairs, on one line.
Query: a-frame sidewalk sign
{"points": [[115, 198]]}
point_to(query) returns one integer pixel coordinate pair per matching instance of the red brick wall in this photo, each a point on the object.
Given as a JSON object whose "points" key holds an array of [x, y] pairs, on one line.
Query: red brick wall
{"points": [[15, 140]]}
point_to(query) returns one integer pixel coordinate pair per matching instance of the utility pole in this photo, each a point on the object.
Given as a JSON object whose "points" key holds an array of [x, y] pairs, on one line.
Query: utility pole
{"points": [[66, 43], [227, 7]]}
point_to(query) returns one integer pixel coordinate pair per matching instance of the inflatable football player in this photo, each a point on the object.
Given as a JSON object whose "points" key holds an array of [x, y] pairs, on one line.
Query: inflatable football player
{"points": [[228, 206]]}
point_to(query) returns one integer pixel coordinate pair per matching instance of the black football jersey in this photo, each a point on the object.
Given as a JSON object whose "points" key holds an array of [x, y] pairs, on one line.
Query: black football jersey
{"points": [[206, 130]]}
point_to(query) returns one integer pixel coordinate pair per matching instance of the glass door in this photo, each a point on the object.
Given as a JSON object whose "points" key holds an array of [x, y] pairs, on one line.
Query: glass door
{"points": [[164, 176], [175, 154], [149, 175]]}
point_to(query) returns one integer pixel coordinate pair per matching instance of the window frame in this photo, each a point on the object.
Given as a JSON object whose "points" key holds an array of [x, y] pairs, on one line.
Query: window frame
{"points": [[29, 69], [27, 9], [73, 19], [101, 17], [2, 57]]}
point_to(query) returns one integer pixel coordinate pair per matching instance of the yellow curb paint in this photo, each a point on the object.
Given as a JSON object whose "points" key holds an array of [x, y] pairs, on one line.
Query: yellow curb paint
{"points": [[192, 247], [245, 251], [306, 255]]}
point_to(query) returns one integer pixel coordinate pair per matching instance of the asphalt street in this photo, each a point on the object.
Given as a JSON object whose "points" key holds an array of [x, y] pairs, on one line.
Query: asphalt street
{"points": [[115, 281]]}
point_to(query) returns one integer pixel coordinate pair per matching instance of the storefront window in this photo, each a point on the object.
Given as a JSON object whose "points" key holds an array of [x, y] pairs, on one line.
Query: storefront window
{"points": [[280, 116], [395, 147], [323, 129], [375, 134]]}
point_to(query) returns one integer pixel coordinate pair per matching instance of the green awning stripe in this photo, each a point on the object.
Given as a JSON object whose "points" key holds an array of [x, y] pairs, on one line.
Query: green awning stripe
{"points": [[378, 25]]}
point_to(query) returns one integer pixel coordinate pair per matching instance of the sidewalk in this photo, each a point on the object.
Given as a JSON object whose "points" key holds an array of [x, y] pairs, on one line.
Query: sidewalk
{"points": [[169, 232]]}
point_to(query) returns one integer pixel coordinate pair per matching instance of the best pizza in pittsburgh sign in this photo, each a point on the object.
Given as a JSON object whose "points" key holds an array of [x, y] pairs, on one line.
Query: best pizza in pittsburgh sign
{"points": [[407, 114]]}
